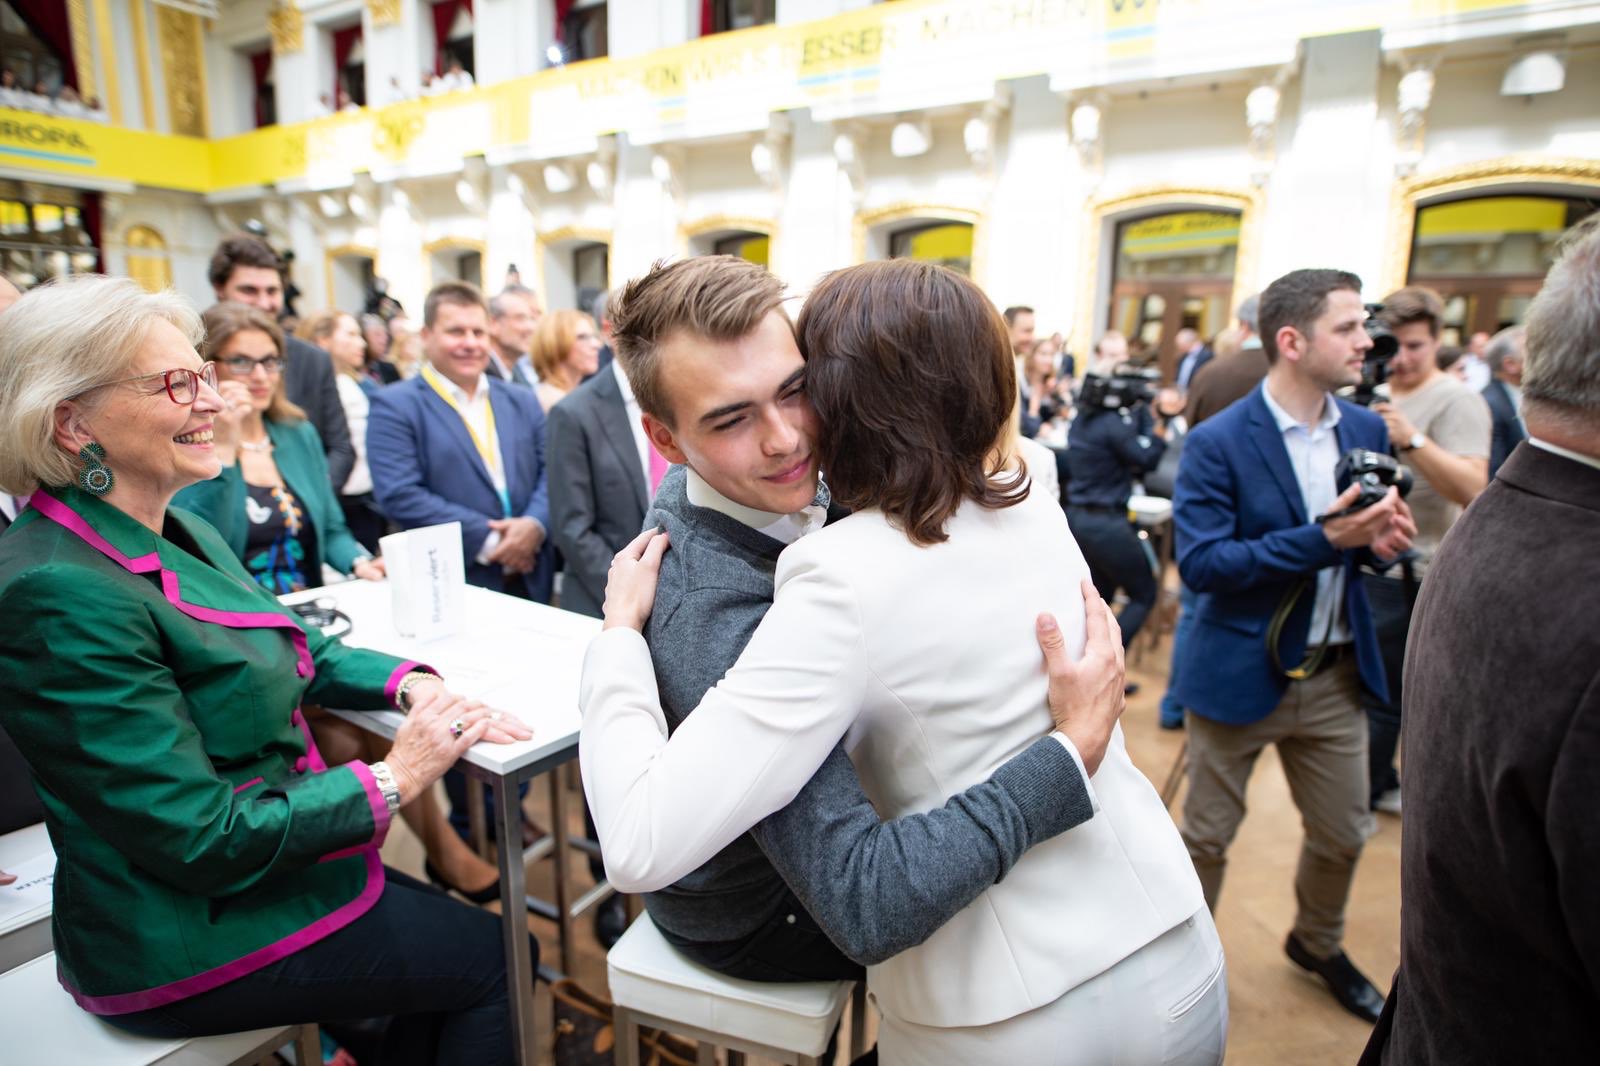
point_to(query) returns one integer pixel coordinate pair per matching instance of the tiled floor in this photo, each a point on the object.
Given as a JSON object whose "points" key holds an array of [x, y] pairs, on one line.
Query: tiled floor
{"points": [[1279, 1017]]}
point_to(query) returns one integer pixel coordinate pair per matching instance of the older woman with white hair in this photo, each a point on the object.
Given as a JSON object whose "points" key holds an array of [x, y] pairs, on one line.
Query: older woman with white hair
{"points": [[214, 874]]}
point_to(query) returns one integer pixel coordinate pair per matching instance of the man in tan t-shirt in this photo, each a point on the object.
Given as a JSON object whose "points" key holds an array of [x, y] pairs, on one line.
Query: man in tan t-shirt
{"points": [[1441, 429]]}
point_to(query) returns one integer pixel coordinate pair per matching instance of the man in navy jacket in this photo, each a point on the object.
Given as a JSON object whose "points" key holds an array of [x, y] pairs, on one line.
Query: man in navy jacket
{"points": [[455, 445], [1283, 640]]}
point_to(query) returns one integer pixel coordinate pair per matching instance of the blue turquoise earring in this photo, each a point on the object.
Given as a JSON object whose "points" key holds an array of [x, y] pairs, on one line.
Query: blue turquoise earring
{"points": [[95, 478]]}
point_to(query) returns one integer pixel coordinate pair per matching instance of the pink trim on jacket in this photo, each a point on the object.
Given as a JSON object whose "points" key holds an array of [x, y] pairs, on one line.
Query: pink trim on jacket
{"points": [[63, 515], [248, 784], [332, 922], [392, 686]]}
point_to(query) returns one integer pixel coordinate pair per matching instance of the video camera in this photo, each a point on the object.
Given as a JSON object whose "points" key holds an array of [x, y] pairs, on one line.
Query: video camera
{"points": [[1126, 387], [1374, 472], [1375, 368]]}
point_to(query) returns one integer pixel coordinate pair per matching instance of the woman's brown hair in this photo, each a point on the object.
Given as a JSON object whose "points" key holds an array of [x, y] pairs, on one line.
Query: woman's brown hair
{"points": [[553, 340], [909, 367], [222, 322]]}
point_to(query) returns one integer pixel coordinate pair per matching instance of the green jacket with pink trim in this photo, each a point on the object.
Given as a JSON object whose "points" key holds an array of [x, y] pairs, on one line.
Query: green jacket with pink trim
{"points": [[155, 691]]}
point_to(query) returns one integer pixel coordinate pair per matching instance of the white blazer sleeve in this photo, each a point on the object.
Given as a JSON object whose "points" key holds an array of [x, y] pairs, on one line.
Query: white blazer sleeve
{"points": [[663, 809]]}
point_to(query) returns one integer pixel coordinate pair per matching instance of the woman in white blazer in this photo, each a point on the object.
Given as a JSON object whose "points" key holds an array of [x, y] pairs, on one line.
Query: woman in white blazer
{"points": [[889, 627]]}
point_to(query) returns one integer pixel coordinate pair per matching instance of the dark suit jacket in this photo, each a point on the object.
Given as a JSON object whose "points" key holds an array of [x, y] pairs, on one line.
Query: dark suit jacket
{"points": [[1508, 431], [598, 489], [1205, 356], [1500, 860], [19, 803], [308, 382], [1244, 540], [426, 470], [1223, 381]]}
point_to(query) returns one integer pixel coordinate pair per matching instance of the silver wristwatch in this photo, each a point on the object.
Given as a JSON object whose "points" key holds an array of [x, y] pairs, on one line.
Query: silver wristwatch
{"points": [[386, 785]]}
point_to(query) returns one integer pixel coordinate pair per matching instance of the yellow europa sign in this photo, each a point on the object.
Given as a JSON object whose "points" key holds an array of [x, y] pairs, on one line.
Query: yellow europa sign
{"points": [[877, 59]]}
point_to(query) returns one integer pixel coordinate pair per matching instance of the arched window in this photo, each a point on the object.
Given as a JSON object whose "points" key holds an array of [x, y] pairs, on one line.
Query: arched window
{"points": [[1488, 255], [1172, 270], [575, 267], [946, 243], [732, 239], [148, 260]]}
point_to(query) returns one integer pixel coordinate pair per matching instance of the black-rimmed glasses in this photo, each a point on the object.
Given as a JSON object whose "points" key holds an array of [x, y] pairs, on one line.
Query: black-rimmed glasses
{"points": [[243, 366], [181, 383]]}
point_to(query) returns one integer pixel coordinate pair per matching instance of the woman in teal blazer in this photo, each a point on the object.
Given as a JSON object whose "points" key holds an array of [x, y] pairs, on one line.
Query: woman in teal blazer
{"points": [[215, 872], [273, 502]]}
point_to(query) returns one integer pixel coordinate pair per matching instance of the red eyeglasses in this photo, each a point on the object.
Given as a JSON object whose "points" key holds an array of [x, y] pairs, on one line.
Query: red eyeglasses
{"points": [[182, 384]]}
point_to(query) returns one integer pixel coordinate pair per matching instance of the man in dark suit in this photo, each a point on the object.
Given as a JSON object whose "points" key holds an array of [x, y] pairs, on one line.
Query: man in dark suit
{"points": [[1500, 860], [1192, 355], [1503, 394], [513, 317], [1283, 640], [600, 482], [246, 270], [454, 445]]}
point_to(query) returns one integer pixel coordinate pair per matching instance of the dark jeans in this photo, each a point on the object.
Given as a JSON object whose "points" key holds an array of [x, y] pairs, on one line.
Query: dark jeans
{"points": [[436, 966], [1171, 710], [790, 947], [1116, 561], [1391, 617]]}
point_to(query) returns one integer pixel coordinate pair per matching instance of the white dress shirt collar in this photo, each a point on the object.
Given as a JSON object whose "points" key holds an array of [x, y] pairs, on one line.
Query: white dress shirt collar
{"points": [[785, 528], [1567, 453], [1330, 412]]}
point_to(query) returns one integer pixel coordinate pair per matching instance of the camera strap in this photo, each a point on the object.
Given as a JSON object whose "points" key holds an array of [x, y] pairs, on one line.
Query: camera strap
{"points": [[1280, 617]]}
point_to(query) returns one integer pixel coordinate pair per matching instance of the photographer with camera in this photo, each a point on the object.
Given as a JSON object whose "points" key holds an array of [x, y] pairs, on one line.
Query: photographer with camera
{"points": [[1113, 439], [1441, 429], [1283, 644]]}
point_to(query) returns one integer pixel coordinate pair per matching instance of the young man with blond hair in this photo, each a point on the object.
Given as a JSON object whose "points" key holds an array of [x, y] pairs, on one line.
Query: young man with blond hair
{"points": [[821, 887]]}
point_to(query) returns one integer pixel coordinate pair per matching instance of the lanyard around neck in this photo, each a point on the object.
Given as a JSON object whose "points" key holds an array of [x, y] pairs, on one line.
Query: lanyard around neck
{"points": [[489, 445]]}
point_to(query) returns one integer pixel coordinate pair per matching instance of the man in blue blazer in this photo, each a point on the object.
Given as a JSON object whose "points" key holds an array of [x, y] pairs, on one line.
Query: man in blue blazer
{"points": [[1503, 394], [1283, 640], [454, 445]]}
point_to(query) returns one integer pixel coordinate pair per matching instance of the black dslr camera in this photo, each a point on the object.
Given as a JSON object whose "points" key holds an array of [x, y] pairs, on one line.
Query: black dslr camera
{"points": [[1126, 387], [1375, 368], [1374, 472]]}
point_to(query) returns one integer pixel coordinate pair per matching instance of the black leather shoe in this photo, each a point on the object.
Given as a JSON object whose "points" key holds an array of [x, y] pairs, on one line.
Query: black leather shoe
{"points": [[610, 922], [1349, 986]]}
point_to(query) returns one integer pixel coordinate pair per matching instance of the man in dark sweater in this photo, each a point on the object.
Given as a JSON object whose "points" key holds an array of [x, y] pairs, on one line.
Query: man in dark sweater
{"points": [[823, 886]]}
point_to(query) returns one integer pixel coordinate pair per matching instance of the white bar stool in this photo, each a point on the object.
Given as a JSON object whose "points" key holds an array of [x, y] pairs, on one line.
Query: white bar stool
{"points": [[653, 985]]}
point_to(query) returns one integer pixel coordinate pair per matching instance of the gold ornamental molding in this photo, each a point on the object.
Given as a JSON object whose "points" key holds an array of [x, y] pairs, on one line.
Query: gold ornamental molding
{"points": [[549, 239], [445, 244], [1506, 174], [766, 227], [141, 53], [866, 221], [333, 255], [384, 12], [82, 55], [287, 26], [105, 38], [149, 259], [1102, 213], [183, 66]]}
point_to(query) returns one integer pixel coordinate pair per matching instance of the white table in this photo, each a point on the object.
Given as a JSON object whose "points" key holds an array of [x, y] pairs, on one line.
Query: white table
{"points": [[24, 918], [520, 657]]}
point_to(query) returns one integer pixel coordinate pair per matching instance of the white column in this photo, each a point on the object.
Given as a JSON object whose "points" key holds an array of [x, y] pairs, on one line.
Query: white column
{"points": [[646, 211], [310, 271], [511, 231], [814, 223], [1328, 196], [396, 51], [634, 27], [400, 257]]}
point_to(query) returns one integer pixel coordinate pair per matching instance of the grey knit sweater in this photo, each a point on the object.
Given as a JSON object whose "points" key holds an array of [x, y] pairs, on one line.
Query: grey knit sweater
{"points": [[875, 888]]}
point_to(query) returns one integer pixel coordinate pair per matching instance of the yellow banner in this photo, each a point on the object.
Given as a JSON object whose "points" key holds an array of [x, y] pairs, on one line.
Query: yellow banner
{"points": [[73, 148], [877, 59], [1492, 215]]}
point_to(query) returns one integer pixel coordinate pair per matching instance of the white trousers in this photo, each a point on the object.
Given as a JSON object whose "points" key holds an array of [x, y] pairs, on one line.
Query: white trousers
{"points": [[1165, 1003]]}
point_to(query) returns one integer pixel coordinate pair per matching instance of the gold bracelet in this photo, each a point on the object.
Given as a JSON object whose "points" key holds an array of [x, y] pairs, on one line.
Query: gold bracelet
{"points": [[402, 694]]}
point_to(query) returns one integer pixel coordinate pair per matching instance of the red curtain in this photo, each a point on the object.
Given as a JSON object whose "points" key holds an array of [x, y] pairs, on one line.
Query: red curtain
{"points": [[260, 71], [708, 19], [343, 42], [48, 20], [91, 225], [444, 16], [562, 8]]}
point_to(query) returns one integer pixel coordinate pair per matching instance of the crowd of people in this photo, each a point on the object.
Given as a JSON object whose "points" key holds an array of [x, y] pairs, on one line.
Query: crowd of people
{"points": [[1353, 513], [62, 100]]}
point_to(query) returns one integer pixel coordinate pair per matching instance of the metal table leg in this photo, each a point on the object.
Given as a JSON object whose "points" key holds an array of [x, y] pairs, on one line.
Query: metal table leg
{"points": [[475, 826], [558, 815], [513, 917]]}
